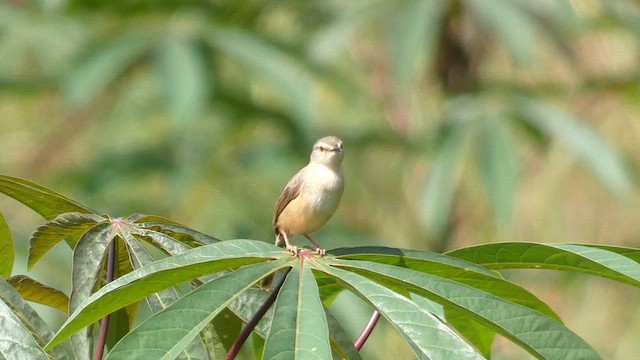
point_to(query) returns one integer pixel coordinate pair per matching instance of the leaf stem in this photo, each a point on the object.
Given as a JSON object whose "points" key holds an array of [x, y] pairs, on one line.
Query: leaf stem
{"points": [[104, 324], [367, 330], [242, 338]]}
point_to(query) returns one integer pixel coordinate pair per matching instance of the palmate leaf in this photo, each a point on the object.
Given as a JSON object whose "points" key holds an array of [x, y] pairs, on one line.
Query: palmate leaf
{"points": [[535, 332], [163, 274], [140, 256], [463, 272], [417, 327], [185, 318], [616, 263], [45, 202]]}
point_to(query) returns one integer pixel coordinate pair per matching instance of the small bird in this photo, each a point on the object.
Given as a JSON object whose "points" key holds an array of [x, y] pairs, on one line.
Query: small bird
{"points": [[311, 196]]}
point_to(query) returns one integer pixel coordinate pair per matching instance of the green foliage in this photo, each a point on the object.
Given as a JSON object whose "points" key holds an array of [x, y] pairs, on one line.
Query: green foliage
{"points": [[443, 306], [462, 121]]}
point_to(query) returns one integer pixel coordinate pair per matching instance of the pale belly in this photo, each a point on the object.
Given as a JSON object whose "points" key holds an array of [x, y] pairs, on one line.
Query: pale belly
{"points": [[307, 214]]}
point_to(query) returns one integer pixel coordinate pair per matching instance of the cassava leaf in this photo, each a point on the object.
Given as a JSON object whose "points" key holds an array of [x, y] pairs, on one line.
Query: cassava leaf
{"points": [[7, 250], [45, 202], [33, 290], [185, 318], [67, 226], [165, 273]]}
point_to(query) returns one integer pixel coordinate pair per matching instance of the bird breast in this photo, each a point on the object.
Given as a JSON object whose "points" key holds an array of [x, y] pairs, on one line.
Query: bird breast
{"points": [[318, 200]]}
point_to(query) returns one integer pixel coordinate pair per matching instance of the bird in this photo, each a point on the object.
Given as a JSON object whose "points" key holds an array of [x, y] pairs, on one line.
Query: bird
{"points": [[312, 196]]}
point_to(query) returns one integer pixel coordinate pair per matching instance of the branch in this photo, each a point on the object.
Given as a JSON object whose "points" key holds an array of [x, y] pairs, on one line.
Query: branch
{"points": [[367, 330], [242, 338], [104, 324]]}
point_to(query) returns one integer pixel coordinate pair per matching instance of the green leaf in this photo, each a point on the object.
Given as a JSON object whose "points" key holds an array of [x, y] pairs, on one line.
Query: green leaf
{"points": [[67, 226], [417, 327], [608, 262], [160, 300], [102, 67], [464, 272], [414, 38], [45, 202], [188, 236], [185, 318], [582, 141], [23, 333], [165, 273], [16, 341], [499, 169], [87, 265], [7, 250], [437, 199], [477, 334], [299, 328], [284, 72], [340, 341], [35, 291], [184, 72], [535, 332], [514, 28]]}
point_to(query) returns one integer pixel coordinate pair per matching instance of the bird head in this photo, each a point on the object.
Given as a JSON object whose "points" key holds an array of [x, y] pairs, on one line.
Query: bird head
{"points": [[328, 151]]}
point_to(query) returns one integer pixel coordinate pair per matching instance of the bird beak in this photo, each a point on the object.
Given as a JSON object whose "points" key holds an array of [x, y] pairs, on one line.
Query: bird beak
{"points": [[337, 149]]}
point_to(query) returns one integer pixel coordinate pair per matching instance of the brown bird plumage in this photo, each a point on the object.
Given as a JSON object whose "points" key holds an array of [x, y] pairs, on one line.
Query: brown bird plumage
{"points": [[312, 196]]}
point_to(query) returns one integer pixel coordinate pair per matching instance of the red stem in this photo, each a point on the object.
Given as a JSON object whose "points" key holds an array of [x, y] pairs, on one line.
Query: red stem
{"points": [[244, 335], [104, 324], [367, 330]]}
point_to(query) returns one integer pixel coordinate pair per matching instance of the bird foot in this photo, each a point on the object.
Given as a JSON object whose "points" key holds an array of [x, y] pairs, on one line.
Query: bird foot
{"points": [[294, 249], [320, 251]]}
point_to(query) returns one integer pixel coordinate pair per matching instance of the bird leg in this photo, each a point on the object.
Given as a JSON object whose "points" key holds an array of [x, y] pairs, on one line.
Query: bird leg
{"points": [[320, 251], [292, 248]]}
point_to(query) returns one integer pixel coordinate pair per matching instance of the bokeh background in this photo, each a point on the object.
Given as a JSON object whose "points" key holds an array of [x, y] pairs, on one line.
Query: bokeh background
{"points": [[464, 122]]}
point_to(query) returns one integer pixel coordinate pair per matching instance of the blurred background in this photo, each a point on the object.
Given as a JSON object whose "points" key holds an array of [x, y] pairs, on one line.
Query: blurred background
{"points": [[464, 122]]}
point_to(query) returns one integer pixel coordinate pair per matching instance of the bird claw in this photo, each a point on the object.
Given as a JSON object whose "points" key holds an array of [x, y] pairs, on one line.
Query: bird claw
{"points": [[320, 251], [294, 249]]}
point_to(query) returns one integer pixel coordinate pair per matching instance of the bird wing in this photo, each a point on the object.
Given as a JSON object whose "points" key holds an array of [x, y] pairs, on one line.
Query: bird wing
{"points": [[290, 192]]}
